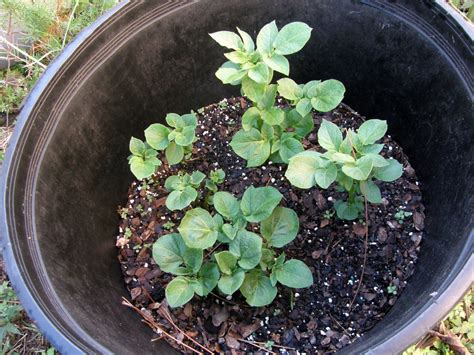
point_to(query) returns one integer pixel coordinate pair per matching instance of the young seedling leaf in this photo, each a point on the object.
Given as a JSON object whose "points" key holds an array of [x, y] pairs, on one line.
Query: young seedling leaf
{"points": [[278, 63], [289, 148], [137, 147], [292, 38], [389, 173], [360, 170], [141, 168], [228, 284], [248, 248], [207, 280], [326, 175], [294, 273], [251, 146], [257, 289], [370, 191], [281, 227], [371, 131], [174, 153], [266, 37], [303, 107], [329, 136], [179, 292], [259, 203], [228, 39], [302, 169], [226, 261], [329, 95], [179, 199], [289, 89], [198, 229], [226, 205], [157, 136]]}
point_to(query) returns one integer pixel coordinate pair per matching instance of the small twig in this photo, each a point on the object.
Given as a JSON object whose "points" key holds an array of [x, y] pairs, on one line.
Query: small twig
{"points": [[3, 39], [257, 346], [226, 300], [155, 326], [213, 249], [340, 326], [274, 345], [71, 16], [365, 253], [169, 319]]}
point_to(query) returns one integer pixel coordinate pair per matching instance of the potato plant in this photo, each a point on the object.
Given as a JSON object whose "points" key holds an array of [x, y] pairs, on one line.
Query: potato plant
{"points": [[353, 162], [269, 131], [175, 140], [243, 260]]}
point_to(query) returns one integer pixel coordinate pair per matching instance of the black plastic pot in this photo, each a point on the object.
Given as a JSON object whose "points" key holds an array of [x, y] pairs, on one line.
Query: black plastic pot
{"points": [[66, 171]]}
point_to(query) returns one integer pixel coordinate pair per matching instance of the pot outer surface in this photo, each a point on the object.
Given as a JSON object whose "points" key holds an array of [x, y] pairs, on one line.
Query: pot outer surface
{"points": [[66, 171]]}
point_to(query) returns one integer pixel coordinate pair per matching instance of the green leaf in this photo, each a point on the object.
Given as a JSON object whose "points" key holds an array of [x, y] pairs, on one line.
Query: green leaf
{"points": [[273, 116], [157, 136], [378, 161], [249, 45], [257, 289], [278, 63], [226, 261], [289, 89], [309, 89], [267, 131], [228, 284], [348, 211], [268, 97], [174, 153], [230, 231], [226, 205], [302, 169], [237, 57], [248, 247], [178, 292], [389, 173], [329, 95], [189, 119], [198, 229], [281, 227], [169, 251], [137, 147], [326, 175], [370, 149], [342, 158], [230, 73], [371, 131], [253, 90], [227, 39], [344, 180], [197, 177], [173, 182], [304, 106], [250, 118], [251, 146], [141, 168], [207, 280], [172, 119], [289, 148], [370, 191], [260, 73], [294, 273], [329, 136], [259, 203], [302, 125], [266, 37], [292, 38], [185, 137], [360, 170], [177, 200]]}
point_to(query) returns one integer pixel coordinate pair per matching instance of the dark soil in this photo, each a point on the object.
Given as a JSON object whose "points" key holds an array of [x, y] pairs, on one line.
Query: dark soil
{"points": [[329, 315]]}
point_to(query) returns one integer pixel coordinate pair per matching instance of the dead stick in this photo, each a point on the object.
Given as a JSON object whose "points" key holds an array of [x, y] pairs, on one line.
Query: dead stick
{"points": [[365, 253], [169, 319], [155, 326]]}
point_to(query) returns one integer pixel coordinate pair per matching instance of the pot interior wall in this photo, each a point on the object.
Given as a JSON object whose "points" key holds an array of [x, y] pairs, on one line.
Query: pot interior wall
{"points": [[74, 172]]}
